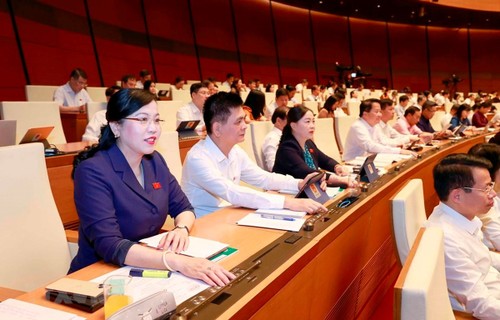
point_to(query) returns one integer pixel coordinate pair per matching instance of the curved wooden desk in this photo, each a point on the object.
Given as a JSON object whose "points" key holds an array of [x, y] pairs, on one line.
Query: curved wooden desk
{"points": [[341, 270]]}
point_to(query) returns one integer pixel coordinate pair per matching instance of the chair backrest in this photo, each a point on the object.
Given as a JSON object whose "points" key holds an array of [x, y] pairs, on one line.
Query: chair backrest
{"points": [[247, 146], [270, 97], [436, 120], [342, 125], [168, 147], [97, 94], [168, 112], [162, 86], [420, 292], [33, 115], [182, 95], [258, 131], [40, 93], [93, 107], [34, 250], [313, 105], [408, 216], [298, 97], [353, 108], [325, 138]]}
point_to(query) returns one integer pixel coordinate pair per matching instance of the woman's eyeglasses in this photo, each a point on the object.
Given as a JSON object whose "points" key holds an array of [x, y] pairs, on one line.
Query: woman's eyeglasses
{"points": [[145, 121]]}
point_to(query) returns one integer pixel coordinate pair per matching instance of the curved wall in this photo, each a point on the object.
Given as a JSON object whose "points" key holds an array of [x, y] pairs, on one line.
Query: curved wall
{"points": [[42, 41]]}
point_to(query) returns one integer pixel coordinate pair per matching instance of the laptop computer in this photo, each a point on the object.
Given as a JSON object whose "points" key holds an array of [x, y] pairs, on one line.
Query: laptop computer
{"points": [[163, 93], [37, 135], [312, 189], [7, 132], [458, 132], [186, 129]]}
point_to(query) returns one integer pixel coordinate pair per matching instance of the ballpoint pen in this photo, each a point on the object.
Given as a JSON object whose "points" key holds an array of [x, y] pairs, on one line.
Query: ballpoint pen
{"points": [[277, 217]]}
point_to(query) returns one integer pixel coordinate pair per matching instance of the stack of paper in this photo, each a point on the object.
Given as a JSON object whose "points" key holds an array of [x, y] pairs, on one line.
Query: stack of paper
{"points": [[281, 219], [11, 309], [198, 247], [383, 160]]}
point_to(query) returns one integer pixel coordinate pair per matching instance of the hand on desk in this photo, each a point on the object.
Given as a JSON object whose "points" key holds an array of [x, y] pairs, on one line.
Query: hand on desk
{"points": [[176, 240], [307, 205], [202, 269]]}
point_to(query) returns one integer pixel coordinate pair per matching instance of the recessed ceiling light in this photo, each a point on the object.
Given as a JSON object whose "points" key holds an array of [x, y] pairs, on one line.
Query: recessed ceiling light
{"points": [[321, 2], [378, 6], [487, 19], [449, 17], [355, 10], [413, 12]]}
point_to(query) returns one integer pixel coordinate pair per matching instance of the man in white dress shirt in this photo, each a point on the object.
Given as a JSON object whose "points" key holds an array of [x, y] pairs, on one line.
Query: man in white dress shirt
{"points": [[404, 101], [214, 167], [280, 101], [390, 136], [144, 75], [194, 109], [465, 190], [360, 139], [315, 94], [72, 96], [272, 139]]}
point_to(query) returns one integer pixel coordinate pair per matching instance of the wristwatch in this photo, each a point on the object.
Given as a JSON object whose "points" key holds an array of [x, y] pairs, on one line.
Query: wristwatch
{"points": [[181, 227]]}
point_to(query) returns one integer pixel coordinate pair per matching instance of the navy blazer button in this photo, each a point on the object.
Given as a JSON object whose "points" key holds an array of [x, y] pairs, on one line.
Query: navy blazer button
{"points": [[154, 210]]}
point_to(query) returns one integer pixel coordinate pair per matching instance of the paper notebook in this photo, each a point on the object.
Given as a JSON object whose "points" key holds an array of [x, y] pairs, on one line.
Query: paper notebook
{"points": [[198, 247], [274, 219]]}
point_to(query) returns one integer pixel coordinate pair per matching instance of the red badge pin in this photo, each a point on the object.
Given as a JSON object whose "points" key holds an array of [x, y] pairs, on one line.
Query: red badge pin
{"points": [[311, 150], [156, 185]]}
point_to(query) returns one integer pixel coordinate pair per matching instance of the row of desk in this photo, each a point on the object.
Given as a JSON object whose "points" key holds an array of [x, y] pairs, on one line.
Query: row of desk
{"points": [[340, 270]]}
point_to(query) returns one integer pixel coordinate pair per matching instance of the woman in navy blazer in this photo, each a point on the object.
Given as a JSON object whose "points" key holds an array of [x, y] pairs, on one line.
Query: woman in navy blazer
{"points": [[124, 192], [299, 156]]}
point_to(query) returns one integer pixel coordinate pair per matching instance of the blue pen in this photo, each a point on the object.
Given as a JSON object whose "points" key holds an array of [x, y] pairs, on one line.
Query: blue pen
{"points": [[149, 273], [276, 217]]}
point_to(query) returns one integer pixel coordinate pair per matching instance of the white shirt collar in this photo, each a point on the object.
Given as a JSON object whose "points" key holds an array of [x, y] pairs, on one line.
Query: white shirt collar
{"points": [[471, 226]]}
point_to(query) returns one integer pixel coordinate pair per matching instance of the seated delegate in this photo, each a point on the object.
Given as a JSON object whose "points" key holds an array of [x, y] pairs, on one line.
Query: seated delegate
{"points": [[124, 192], [214, 167], [299, 156]]}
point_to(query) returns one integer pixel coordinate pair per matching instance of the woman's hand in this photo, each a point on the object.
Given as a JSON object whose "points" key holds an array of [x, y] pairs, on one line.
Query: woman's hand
{"points": [[308, 205], [341, 170], [202, 269], [176, 240]]}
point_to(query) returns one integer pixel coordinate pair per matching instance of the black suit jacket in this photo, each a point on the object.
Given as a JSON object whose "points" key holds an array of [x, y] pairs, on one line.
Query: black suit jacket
{"points": [[290, 159]]}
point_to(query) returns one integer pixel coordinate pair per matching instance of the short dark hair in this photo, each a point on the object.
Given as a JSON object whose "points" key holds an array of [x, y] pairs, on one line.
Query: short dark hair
{"points": [[279, 112], [281, 92], [421, 97], [428, 105], [366, 106], [197, 86], [126, 77], [289, 88], [178, 79], [384, 103], [411, 110], [229, 75], [217, 108], [77, 73], [489, 151], [403, 98], [144, 72], [109, 91], [455, 171]]}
